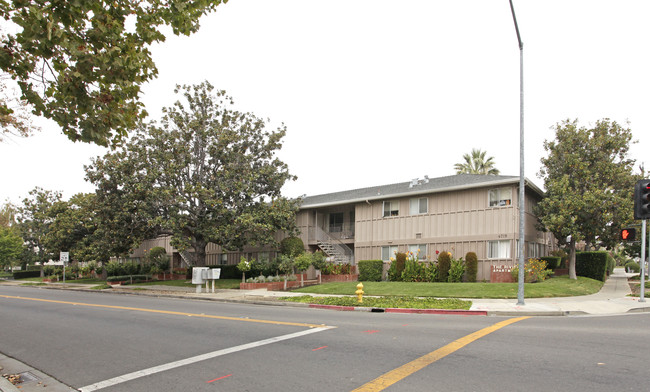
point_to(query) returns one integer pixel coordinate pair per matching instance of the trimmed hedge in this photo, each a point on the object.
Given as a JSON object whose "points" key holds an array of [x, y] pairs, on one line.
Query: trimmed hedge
{"points": [[471, 266], [444, 263], [552, 262], [128, 278], [26, 274], [632, 266], [370, 270], [592, 265]]}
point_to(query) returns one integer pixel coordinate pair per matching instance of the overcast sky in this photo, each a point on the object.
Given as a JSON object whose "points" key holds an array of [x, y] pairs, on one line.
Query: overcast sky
{"points": [[376, 92]]}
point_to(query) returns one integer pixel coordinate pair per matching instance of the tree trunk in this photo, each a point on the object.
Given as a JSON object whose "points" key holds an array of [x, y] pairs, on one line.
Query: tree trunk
{"points": [[572, 260], [199, 252]]}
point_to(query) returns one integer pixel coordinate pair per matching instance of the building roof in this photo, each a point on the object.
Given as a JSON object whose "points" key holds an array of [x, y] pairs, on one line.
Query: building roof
{"points": [[411, 188]]}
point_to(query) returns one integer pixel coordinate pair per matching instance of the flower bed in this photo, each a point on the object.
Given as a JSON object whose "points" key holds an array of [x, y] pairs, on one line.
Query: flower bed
{"points": [[339, 278]]}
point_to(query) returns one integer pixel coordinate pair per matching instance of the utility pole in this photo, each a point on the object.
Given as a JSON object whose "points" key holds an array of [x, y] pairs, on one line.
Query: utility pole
{"points": [[522, 180]]}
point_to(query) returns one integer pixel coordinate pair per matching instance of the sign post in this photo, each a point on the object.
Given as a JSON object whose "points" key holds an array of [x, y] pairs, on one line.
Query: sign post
{"points": [[64, 257]]}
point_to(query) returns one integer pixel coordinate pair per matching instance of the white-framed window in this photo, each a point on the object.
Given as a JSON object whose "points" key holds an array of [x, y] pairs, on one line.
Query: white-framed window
{"points": [[387, 252], [500, 197], [422, 255], [499, 249], [391, 208], [419, 206]]}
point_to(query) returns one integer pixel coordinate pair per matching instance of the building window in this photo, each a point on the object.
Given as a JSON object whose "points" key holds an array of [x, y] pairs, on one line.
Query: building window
{"points": [[500, 197], [387, 252], [419, 206], [223, 259], [422, 248], [499, 249], [391, 208]]}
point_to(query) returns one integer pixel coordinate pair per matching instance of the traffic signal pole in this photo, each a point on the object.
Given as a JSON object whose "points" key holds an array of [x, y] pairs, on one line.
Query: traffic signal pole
{"points": [[642, 288]]}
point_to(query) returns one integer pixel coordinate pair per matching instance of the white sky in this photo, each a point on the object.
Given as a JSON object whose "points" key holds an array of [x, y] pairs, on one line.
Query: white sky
{"points": [[376, 92]]}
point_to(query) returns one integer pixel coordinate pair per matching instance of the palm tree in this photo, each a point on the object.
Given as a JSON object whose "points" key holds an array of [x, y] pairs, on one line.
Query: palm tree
{"points": [[476, 164]]}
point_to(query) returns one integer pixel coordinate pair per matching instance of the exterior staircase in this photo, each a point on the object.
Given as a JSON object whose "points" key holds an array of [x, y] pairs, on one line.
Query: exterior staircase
{"points": [[337, 250], [186, 257]]}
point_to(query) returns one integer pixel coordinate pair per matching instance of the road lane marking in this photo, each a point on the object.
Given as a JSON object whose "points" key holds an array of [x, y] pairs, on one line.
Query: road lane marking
{"points": [[169, 312], [384, 381], [188, 361]]}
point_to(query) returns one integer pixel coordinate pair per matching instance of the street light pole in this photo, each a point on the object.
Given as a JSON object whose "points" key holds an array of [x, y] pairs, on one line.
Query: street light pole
{"points": [[522, 181]]}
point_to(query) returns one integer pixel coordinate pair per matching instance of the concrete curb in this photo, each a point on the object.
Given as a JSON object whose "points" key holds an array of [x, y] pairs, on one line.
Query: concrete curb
{"points": [[6, 386]]}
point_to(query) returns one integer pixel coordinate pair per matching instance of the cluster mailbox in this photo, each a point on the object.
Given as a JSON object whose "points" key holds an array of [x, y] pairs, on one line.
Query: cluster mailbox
{"points": [[202, 275]]}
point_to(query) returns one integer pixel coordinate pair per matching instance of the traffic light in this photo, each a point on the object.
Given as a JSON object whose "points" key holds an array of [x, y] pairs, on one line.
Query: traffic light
{"points": [[642, 199], [628, 234]]}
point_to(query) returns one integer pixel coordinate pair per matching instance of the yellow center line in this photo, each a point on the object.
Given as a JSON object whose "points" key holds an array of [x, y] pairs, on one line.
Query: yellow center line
{"points": [[384, 381], [170, 312]]}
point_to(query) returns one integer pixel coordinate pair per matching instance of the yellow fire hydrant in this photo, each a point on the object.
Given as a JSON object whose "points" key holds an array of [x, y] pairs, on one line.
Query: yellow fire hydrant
{"points": [[359, 292]]}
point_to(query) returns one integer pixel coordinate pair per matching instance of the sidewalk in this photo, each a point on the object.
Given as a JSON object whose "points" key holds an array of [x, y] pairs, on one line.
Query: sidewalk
{"points": [[611, 299]]}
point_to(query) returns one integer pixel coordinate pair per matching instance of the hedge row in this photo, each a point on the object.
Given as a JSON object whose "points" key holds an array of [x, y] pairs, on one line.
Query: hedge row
{"points": [[129, 278], [594, 265], [26, 274], [552, 262], [370, 270]]}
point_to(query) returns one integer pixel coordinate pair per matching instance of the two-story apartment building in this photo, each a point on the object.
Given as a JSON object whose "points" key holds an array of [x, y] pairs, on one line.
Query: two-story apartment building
{"points": [[459, 214]]}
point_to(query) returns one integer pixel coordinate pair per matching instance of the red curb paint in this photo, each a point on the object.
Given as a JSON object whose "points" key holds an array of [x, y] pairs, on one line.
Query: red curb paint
{"points": [[371, 331], [319, 348], [217, 379], [439, 311]]}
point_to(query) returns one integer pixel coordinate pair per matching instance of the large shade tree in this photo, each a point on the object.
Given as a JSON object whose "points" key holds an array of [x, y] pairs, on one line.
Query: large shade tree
{"points": [[589, 182], [81, 63], [206, 174], [476, 163], [34, 218]]}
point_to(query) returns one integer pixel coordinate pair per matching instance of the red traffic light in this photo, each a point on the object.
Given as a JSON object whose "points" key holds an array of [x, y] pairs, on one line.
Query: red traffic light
{"points": [[628, 234]]}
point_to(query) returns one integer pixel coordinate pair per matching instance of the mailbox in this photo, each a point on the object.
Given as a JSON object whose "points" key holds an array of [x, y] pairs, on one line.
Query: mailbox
{"points": [[198, 276], [214, 273]]}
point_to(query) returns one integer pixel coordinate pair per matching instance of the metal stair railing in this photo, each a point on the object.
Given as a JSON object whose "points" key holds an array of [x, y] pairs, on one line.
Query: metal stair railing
{"points": [[333, 247]]}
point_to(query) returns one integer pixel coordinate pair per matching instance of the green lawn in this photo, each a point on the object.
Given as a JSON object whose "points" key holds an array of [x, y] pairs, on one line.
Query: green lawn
{"points": [[555, 287]]}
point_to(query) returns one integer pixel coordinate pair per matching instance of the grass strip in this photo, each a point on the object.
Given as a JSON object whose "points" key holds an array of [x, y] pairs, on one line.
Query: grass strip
{"points": [[385, 302]]}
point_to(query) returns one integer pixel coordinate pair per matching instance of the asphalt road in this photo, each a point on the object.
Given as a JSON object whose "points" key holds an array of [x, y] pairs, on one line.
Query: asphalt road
{"points": [[107, 342]]}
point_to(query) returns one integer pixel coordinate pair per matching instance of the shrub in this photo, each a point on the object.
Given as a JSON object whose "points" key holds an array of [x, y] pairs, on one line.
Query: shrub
{"points": [[336, 269], [592, 265], [632, 266], [471, 266], [397, 267], [157, 257], [370, 270], [292, 246], [444, 263], [227, 272], [456, 271], [303, 261], [113, 268], [413, 270], [318, 260], [431, 272], [534, 271], [611, 264], [552, 262]]}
